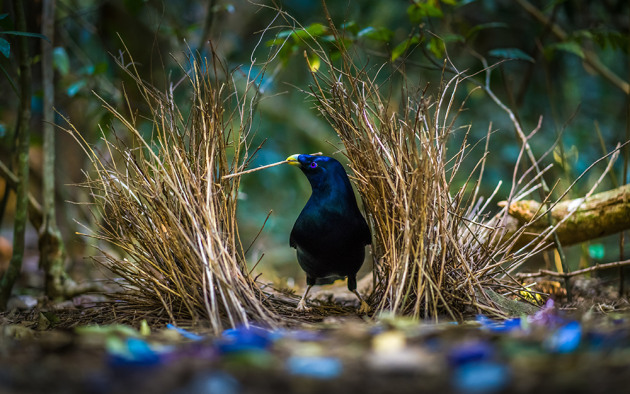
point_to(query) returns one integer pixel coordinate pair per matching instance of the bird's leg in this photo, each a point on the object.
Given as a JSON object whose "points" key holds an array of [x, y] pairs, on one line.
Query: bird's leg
{"points": [[364, 308], [301, 307]]}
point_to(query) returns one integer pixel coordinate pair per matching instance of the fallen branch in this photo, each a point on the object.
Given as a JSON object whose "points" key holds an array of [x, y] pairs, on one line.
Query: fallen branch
{"points": [[599, 215], [596, 267]]}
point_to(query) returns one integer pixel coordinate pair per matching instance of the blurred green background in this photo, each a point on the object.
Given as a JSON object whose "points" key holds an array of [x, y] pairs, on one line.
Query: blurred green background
{"points": [[542, 75]]}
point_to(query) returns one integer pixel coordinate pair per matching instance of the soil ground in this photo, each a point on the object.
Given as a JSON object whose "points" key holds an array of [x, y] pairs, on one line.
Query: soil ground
{"points": [[578, 347]]}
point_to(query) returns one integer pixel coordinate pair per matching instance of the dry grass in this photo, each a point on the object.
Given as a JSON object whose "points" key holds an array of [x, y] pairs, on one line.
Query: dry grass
{"points": [[162, 200], [434, 255]]}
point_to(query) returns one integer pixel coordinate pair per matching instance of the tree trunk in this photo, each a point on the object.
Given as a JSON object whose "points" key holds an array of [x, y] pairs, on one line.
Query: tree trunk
{"points": [[23, 134]]}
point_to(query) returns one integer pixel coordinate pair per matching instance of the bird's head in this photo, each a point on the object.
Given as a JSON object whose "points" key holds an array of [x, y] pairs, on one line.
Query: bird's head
{"points": [[320, 170]]}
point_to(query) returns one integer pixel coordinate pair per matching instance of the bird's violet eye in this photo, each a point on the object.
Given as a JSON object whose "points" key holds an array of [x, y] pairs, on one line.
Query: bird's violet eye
{"points": [[313, 165]]}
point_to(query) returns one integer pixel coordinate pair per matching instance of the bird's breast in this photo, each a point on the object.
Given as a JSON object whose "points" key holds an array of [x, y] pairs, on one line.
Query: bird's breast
{"points": [[327, 229]]}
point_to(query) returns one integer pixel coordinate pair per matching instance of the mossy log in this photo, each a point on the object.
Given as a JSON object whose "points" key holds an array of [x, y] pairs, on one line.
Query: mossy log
{"points": [[601, 214]]}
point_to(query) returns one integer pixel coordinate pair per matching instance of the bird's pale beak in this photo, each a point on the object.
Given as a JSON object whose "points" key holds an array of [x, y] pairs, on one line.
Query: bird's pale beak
{"points": [[293, 160]]}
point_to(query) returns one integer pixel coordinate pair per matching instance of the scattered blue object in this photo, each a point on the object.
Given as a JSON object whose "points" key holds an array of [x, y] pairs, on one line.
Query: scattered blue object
{"points": [[216, 382], [185, 333], [499, 326], [242, 339], [315, 367], [566, 339], [135, 351], [473, 351], [482, 377], [299, 335]]}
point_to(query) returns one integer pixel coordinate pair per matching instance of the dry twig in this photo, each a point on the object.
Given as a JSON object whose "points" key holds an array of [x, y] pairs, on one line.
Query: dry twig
{"points": [[596, 267]]}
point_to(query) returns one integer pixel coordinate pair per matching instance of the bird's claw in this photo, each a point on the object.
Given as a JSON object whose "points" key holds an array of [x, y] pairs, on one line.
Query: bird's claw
{"points": [[364, 309], [301, 307]]}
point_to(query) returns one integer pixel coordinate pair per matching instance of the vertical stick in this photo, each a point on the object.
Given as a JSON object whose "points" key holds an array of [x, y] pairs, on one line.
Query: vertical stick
{"points": [[23, 136], [51, 247]]}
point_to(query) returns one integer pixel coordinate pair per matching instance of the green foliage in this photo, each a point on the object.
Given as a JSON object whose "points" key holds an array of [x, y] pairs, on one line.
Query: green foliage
{"points": [[404, 46], [511, 53], [569, 47], [376, 33], [5, 47], [474, 31], [422, 9], [539, 75]]}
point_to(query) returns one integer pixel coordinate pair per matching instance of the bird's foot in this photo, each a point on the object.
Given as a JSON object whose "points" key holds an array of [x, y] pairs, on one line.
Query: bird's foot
{"points": [[301, 307], [364, 309]]}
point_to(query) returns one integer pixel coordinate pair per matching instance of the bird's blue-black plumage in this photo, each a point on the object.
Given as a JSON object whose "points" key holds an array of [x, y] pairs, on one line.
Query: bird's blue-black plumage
{"points": [[330, 234]]}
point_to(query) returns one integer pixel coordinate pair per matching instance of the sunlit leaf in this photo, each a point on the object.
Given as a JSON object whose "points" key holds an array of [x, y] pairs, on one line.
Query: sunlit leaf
{"points": [[436, 46], [557, 155], [350, 26], [5, 47], [313, 30], [284, 33], [511, 53], [274, 42], [403, 46], [61, 61], [314, 62], [376, 33], [420, 10]]}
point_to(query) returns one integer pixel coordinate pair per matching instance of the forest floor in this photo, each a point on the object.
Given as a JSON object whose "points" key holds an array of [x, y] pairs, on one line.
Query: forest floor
{"points": [[581, 347]]}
